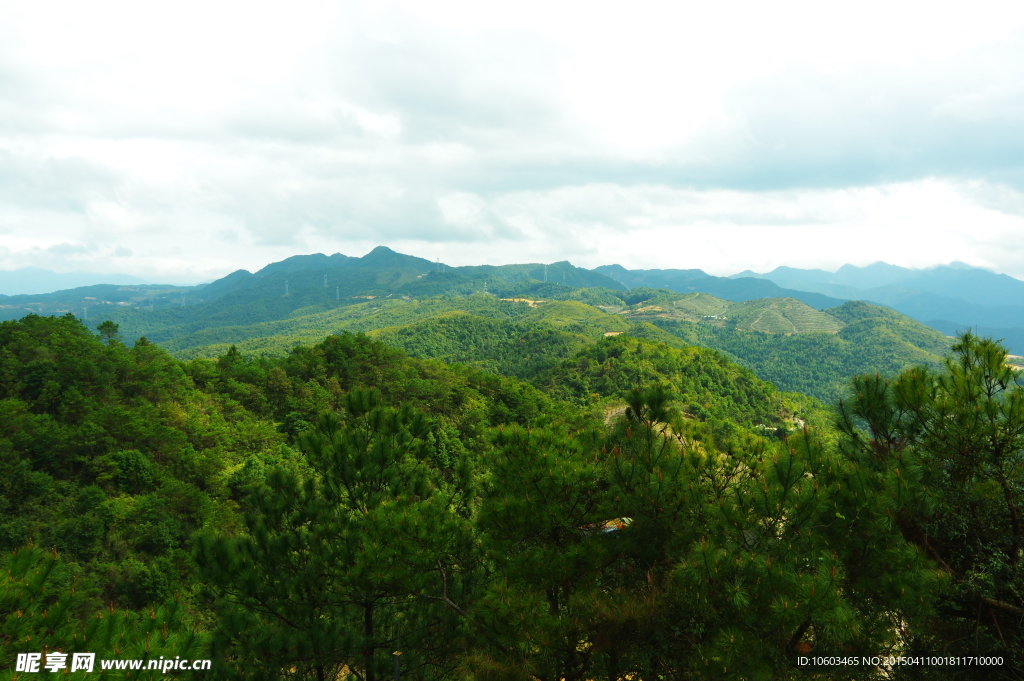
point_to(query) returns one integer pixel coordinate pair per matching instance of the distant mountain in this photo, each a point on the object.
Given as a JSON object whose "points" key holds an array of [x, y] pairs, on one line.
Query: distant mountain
{"points": [[737, 290], [299, 286], [869, 276], [1012, 338], [956, 280], [99, 300], [316, 261], [305, 279], [654, 278], [561, 273], [948, 297], [515, 319], [34, 280]]}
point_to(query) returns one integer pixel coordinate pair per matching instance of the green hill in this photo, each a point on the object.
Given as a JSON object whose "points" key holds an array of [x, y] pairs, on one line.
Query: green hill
{"points": [[875, 339], [770, 315], [794, 346], [707, 383], [501, 346], [576, 317], [115, 455], [311, 324]]}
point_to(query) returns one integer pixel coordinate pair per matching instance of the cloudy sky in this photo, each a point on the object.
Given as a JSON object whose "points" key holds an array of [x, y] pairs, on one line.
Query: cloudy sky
{"points": [[181, 141]]}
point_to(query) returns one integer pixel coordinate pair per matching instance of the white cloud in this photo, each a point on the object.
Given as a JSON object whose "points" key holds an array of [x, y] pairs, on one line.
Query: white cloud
{"points": [[203, 137], [914, 224]]}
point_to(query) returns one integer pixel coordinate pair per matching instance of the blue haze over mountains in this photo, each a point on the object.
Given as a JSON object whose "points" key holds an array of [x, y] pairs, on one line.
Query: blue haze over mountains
{"points": [[948, 298], [36, 280]]}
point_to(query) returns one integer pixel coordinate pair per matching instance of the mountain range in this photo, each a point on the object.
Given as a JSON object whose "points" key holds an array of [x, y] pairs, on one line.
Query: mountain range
{"points": [[948, 298], [511, 319]]}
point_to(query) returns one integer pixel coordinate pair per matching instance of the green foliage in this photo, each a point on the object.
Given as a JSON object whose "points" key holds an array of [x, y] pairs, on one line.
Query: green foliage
{"points": [[575, 317], [108, 330], [821, 364], [41, 611], [506, 347], [541, 489], [709, 386], [656, 554], [295, 390], [336, 570], [957, 436], [598, 297], [642, 509], [781, 315], [642, 294], [112, 456]]}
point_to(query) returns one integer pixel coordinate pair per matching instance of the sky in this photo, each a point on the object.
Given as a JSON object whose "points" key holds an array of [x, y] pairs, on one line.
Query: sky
{"points": [[181, 141]]}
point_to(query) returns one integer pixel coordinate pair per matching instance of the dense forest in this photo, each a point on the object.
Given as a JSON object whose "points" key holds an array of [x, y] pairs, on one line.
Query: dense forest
{"points": [[626, 508]]}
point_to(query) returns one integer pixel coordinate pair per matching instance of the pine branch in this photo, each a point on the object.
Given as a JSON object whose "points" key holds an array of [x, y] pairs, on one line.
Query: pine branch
{"points": [[1000, 605]]}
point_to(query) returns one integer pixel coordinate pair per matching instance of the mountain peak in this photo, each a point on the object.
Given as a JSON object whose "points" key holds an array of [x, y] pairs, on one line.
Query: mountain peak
{"points": [[313, 261], [611, 270], [382, 256], [959, 265]]}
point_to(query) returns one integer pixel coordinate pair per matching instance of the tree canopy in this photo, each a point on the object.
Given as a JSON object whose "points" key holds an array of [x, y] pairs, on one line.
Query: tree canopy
{"points": [[639, 511]]}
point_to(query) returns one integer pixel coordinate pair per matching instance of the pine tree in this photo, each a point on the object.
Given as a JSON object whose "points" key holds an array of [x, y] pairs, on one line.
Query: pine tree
{"points": [[957, 435], [41, 612], [338, 569], [539, 525], [742, 556]]}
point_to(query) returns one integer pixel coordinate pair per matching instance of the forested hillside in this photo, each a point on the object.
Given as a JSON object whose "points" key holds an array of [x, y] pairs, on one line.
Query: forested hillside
{"points": [[516, 320], [874, 339], [782, 340], [639, 511], [117, 454]]}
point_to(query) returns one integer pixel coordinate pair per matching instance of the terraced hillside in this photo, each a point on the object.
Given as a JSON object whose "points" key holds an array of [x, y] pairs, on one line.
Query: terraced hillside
{"points": [[770, 315], [781, 315], [874, 339]]}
